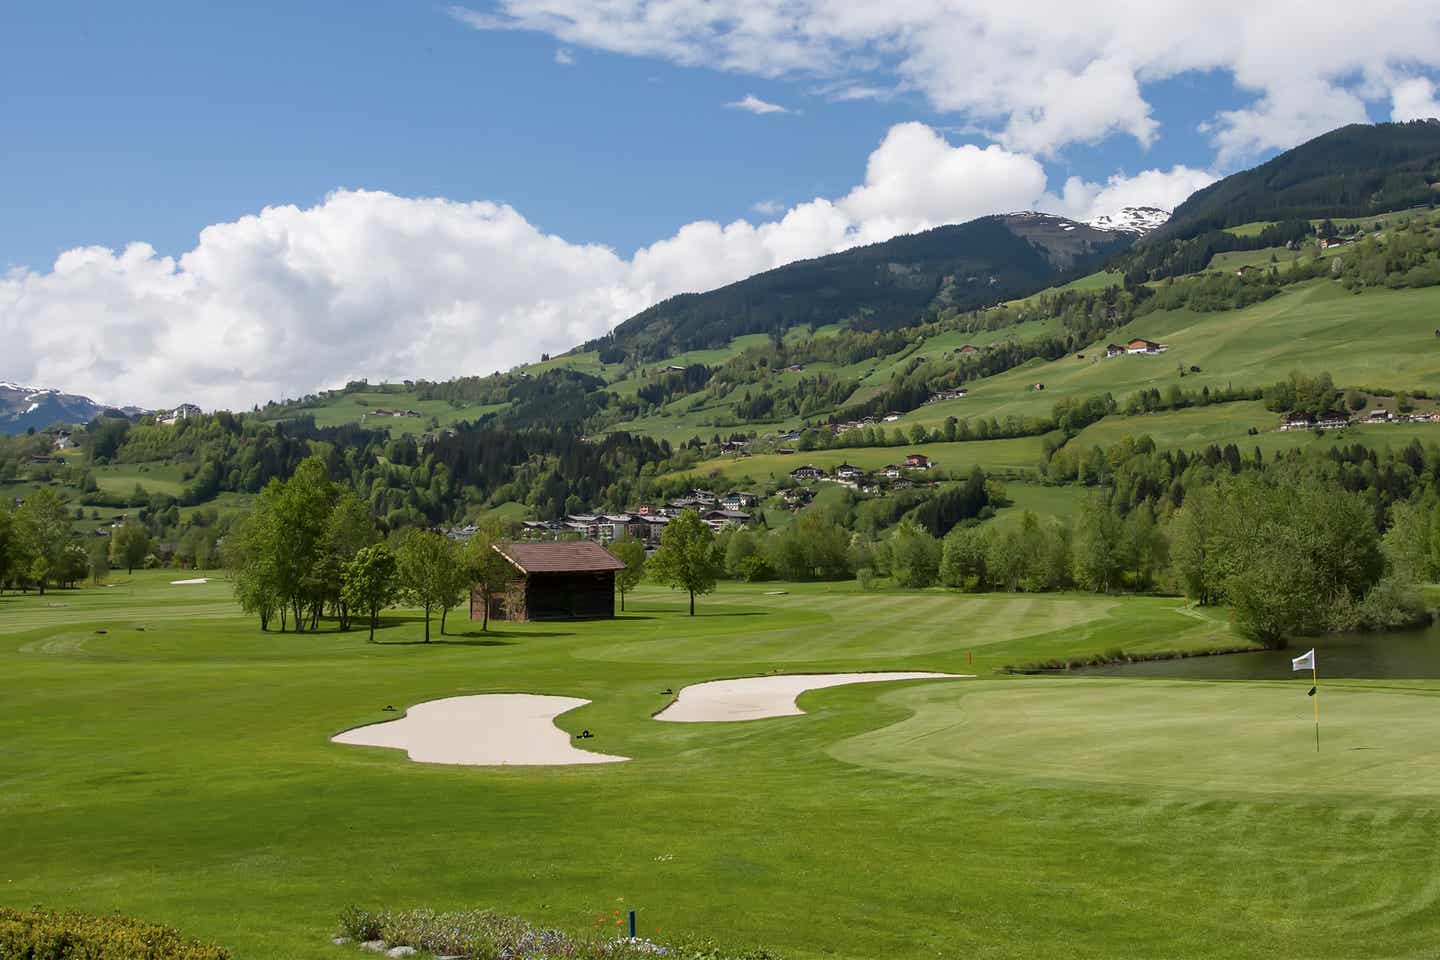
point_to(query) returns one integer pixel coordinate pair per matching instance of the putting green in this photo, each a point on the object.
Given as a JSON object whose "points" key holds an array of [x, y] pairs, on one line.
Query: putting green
{"points": [[1225, 737]]}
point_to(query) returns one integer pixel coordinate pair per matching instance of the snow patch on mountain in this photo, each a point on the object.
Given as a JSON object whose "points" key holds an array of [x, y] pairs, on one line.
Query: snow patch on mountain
{"points": [[1139, 220]]}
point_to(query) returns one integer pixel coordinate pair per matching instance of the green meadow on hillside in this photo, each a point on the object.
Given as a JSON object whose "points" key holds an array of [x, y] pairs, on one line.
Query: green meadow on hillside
{"points": [[165, 758], [1379, 338]]}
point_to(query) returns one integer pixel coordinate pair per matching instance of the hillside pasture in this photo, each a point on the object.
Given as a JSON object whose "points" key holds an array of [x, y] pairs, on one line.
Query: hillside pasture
{"points": [[1381, 338], [1014, 456]]}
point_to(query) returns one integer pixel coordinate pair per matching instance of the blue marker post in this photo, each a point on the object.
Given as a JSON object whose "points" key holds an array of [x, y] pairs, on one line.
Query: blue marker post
{"points": [[632, 924]]}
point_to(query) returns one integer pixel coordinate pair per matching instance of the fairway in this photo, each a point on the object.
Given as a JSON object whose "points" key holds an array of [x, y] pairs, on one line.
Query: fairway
{"points": [[161, 756]]}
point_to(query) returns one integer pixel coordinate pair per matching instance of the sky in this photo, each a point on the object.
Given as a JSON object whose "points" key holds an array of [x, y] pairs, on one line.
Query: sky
{"points": [[227, 204]]}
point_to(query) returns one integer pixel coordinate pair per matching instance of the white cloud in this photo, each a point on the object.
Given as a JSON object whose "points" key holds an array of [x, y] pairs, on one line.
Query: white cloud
{"points": [[564, 57], [1039, 74], [767, 207], [1414, 99], [755, 105], [1083, 200], [368, 284]]}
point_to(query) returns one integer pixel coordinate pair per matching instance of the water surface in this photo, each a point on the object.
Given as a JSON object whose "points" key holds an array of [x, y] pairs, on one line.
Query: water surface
{"points": [[1401, 655]]}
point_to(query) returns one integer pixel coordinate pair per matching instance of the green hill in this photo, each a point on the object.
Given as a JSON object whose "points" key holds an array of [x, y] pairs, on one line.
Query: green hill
{"points": [[883, 285]]}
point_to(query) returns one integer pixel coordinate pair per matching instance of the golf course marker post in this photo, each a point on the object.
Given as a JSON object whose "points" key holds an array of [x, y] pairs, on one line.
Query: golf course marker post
{"points": [[632, 924], [1301, 663]]}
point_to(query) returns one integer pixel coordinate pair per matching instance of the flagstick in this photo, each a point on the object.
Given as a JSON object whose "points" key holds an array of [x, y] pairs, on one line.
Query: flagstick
{"points": [[1315, 676]]}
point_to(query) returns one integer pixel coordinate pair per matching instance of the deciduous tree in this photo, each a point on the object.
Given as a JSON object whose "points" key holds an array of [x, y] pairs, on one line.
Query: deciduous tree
{"points": [[687, 558], [129, 545], [631, 552], [370, 582]]}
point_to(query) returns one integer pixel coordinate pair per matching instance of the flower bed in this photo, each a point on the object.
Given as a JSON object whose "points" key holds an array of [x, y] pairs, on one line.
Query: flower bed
{"points": [[486, 935]]}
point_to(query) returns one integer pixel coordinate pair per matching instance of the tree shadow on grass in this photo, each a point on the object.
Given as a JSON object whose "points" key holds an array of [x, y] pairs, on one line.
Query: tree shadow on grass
{"points": [[461, 640]]}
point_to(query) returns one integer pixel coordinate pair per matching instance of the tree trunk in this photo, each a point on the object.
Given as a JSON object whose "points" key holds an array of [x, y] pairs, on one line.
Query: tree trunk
{"points": [[374, 615], [692, 603], [485, 617], [444, 612], [427, 623], [622, 601]]}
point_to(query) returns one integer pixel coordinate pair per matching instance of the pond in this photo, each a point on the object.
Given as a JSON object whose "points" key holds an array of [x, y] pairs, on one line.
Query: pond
{"points": [[1401, 655]]}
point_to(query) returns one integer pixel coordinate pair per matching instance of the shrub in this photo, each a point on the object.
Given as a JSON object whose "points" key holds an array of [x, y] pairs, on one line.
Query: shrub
{"points": [[486, 935], [44, 935]]}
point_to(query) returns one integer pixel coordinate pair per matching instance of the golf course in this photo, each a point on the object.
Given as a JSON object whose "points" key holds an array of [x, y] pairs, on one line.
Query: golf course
{"points": [[162, 756]]}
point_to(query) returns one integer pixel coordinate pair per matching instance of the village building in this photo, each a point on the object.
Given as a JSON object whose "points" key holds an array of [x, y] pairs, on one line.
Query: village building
{"points": [[797, 496], [1140, 346], [738, 500], [848, 471], [183, 412], [1113, 350], [720, 519], [1379, 416], [968, 348], [917, 461], [553, 581], [806, 474]]}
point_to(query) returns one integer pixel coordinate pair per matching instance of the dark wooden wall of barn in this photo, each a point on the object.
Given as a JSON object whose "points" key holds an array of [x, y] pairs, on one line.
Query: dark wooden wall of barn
{"points": [[569, 596]]}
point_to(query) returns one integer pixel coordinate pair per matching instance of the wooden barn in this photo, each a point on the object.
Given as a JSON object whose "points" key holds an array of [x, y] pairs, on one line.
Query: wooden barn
{"points": [[554, 581]]}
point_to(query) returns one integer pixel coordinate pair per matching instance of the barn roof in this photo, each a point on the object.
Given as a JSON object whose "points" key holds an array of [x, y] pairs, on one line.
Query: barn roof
{"points": [[578, 556]]}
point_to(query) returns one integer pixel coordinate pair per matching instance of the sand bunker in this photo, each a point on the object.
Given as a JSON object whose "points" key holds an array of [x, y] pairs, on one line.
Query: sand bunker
{"points": [[493, 729], [181, 583], [754, 698]]}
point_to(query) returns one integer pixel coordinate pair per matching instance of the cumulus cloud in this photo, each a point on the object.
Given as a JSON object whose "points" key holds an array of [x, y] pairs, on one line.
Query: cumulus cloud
{"points": [[767, 208], [753, 104], [1039, 74], [1166, 189], [564, 57], [368, 284], [1414, 99]]}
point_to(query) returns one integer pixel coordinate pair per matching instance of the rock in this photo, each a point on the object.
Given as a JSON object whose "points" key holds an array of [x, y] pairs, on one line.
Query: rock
{"points": [[400, 952], [374, 946], [339, 941]]}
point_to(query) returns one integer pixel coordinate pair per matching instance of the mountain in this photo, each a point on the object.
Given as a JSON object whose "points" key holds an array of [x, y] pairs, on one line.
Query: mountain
{"points": [[1357, 171], [880, 286], [1137, 220], [24, 407], [1354, 171]]}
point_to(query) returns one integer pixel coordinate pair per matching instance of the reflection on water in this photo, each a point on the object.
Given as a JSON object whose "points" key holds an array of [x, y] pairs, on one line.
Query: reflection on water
{"points": [[1404, 655]]}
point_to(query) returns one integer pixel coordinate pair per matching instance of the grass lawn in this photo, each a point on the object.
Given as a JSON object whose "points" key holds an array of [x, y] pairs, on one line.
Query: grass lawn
{"points": [[177, 766]]}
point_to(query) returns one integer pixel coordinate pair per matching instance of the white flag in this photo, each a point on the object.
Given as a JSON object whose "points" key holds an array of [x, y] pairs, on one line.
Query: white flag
{"points": [[1305, 662]]}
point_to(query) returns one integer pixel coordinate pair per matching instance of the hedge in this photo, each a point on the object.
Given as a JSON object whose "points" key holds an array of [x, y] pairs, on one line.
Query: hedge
{"points": [[46, 935]]}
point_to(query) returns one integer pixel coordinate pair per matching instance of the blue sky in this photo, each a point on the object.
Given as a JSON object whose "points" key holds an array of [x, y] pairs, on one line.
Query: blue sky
{"points": [[151, 121], [227, 203]]}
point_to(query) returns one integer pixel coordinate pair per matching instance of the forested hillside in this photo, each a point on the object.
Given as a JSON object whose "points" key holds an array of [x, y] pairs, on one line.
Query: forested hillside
{"points": [[1355, 171], [896, 283]]}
